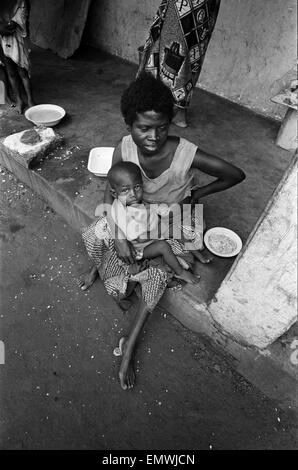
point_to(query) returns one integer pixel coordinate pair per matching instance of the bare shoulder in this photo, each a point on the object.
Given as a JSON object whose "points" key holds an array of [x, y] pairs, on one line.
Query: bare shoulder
{"points": [[117, 155], [172, 143]]}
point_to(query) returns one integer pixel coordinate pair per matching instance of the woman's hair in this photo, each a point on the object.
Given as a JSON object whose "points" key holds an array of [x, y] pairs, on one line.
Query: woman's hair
{"points": [[146, 93]]}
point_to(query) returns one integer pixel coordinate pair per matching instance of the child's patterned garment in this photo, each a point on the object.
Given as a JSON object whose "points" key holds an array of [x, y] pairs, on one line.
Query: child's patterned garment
{"points": [[14, 45]]}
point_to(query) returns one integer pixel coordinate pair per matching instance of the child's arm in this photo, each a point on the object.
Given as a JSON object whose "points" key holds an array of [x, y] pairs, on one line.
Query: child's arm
{"points": [[227, 174]]}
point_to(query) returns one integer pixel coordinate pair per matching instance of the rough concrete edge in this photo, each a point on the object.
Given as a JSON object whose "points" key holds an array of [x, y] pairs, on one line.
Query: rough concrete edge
{"points": [[33, 161], [249, 362], [59, 201]]}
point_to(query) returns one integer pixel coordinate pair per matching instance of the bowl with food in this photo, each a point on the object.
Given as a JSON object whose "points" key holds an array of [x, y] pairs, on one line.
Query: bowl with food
{"points": [[222, 242], [48, 115]]}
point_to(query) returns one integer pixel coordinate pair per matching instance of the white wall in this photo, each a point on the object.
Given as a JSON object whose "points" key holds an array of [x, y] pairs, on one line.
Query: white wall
{"points": [[257, 301]]}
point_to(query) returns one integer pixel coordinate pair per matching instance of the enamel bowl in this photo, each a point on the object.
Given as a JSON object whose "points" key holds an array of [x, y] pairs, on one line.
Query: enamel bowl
{"points": [[45, 114], [223, 242], [100, 160]]}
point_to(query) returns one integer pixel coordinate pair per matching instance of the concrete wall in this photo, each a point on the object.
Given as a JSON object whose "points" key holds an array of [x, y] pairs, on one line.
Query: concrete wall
{"points": [[257, 301], [58, 24], [251, 56]]}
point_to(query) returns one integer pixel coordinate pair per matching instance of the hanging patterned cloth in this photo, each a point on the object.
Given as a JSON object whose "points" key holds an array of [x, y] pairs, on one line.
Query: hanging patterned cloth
{"points": [[177, 43]]}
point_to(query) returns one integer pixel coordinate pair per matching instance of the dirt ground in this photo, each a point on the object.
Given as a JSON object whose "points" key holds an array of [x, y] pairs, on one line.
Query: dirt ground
{"points": [[59, 383]]}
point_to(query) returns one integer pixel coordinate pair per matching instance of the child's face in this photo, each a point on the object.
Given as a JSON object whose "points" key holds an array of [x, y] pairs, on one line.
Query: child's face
{"points": [[150, 131], [128, 188]]}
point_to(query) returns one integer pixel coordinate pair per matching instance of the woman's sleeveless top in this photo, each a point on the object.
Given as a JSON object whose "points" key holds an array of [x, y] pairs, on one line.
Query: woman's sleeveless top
{"points": [[175, 183]]}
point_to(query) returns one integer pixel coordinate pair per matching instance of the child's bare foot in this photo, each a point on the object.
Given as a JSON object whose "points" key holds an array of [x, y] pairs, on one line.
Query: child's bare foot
{"points": [[126, 372], [20, 105], [179, 118], [203, 256], [87, 279], [188, 277]]}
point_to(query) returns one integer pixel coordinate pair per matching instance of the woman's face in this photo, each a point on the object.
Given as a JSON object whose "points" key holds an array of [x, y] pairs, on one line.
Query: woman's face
{"points": [[150, 131]]}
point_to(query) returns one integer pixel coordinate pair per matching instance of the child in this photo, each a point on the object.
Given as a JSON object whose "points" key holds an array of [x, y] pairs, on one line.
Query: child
{"points": [[15, 53], [136, 222], [166, 163]]}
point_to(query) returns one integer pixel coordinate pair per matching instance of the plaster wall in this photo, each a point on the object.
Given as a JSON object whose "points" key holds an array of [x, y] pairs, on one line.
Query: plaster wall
{"points": [[257, 301], [251, 55], [58, 24]]}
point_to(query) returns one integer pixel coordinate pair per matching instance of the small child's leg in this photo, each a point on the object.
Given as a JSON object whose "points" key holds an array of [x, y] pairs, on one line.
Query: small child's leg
{"points": [[23, 73], [12, 73], [162, 248]]}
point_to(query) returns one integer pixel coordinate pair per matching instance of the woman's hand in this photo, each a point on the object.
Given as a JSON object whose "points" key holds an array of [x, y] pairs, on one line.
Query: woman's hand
{"points": [[125, 251]]}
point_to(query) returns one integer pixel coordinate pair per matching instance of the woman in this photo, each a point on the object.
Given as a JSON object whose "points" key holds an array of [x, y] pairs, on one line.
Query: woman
{"points": [[166, 164], [176, 47]]}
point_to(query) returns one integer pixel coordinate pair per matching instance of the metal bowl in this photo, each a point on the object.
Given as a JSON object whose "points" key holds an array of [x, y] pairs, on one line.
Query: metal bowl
{"points": [[45, 114]]}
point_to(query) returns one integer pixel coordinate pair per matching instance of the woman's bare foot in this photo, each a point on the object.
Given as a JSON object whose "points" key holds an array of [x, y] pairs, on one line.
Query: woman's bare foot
{"points": [[203, 256], [179, 118], [188, 277], [87, 279], [126, 372]]}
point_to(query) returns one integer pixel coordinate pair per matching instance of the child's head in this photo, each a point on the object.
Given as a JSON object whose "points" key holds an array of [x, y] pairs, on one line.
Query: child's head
{"points": [[125, 179], [147, 106]]}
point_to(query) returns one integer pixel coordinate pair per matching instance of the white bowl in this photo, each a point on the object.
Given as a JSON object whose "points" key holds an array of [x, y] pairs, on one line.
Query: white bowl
{"points": [[222, 242], [100, 160], [45, 114]]}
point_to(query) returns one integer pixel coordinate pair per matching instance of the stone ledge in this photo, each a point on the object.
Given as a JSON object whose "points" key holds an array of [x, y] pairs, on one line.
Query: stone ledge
{"points": [[29, 154]]}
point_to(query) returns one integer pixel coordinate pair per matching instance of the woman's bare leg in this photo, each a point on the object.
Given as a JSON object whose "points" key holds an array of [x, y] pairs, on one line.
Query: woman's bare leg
{"points": [[126, 372], [87, 279], [180, 118]]}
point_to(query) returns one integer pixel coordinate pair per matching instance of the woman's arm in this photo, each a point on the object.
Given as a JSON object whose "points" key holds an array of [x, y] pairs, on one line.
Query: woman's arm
{"points": [[227, 175]]}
